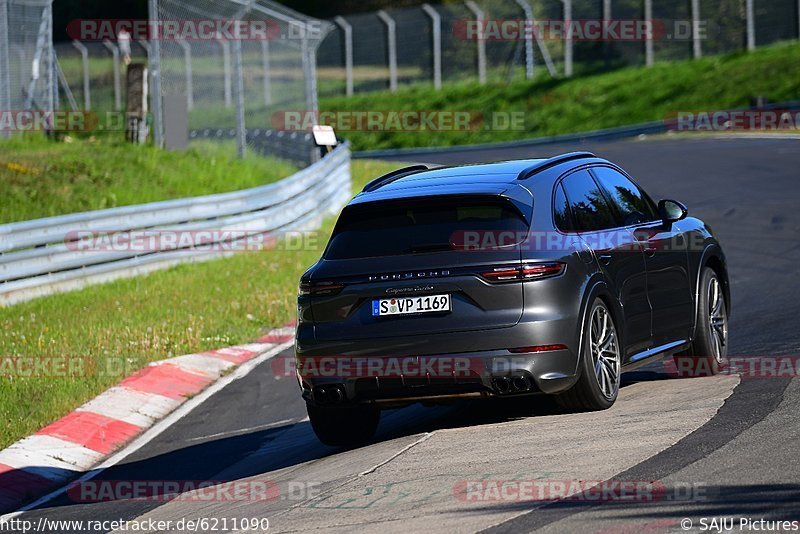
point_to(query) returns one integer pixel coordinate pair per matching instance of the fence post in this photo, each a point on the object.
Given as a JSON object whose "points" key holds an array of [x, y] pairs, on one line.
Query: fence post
{"points": [[529, 61], [391, 43], [87, 98], [436, 24], [187, 58], [226, 67], [154, 57], [649, 57], [480, 18], [241, 131], [117, 89], [266, 68], [568, 44], [310, 76], [5, 64], [696, 43], [347, 29], [751, 25]]}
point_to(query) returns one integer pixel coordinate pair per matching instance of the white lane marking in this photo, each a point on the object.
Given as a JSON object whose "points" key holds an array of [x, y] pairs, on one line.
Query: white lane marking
{"points": [[159, 428], [242, 430], [395, 455]]}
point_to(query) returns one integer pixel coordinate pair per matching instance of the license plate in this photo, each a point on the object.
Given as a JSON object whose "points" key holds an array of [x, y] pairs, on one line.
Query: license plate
{"points": [[410, 305]]}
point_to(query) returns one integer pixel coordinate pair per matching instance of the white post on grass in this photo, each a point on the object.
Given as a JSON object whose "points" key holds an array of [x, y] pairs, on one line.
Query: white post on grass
{"points": [[649, 56], [117, 83], [87, 98], [187, 59], [529, 60], [391, 43], [696, 42], [436, 23], [568, 44], [226, 68], [347, 29], [267, 78], [751, 25], [480, 19]]}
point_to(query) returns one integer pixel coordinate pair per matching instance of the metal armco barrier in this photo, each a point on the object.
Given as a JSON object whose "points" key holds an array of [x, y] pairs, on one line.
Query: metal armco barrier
{"points": [[38, 257]]}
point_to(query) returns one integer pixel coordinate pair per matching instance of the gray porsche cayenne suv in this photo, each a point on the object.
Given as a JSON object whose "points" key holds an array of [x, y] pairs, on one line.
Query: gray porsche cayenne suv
{"points": [[545, 276]]}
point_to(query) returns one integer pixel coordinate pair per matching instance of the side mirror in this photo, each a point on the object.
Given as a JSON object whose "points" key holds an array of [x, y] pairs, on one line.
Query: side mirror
{"points": [[672, 211]]}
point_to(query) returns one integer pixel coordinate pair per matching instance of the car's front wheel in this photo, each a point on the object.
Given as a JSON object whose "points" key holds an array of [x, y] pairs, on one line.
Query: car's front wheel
{"points": [[601, 363], [343, 426], [709, 348]]}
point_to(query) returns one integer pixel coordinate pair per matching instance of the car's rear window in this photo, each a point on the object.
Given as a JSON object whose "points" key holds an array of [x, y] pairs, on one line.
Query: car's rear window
{"points": [[424, 225]]}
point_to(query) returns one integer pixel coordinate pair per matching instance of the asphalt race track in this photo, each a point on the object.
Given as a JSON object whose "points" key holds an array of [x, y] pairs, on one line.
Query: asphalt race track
{"points": [[727, 445]]}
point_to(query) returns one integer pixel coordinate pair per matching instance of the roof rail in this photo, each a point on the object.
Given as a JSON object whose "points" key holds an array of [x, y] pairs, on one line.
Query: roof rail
{"points": [[379, 182], [552, 162]]}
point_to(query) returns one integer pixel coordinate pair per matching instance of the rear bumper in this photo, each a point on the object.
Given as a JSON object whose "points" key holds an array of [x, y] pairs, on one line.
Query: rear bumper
{"points": [[335, 379]]}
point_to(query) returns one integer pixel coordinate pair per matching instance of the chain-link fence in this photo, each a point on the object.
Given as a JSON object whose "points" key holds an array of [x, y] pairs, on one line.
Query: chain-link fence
{"points": [[431, 43], [234, 87], [28, 74]]}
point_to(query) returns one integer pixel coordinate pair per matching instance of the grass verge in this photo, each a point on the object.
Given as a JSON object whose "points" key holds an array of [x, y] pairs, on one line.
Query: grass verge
{"points": [[117, 328], [617, 98], [41, 177]]}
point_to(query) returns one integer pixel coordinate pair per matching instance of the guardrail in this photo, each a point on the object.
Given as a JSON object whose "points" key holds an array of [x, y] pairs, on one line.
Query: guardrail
{"points": [[45, 256]]}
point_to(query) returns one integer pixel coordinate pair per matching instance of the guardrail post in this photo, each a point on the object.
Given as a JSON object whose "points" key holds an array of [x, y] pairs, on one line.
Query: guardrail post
{"points": [[347, 29], [266, 68], [436, 26], [154, 57], [117, 84], [751, 25], [5, 64], [649, 57], [87, 98], [391, 43], [480, 19], [697, 46], [226, 68], [529, 60], [568, 44], [187, 59]]}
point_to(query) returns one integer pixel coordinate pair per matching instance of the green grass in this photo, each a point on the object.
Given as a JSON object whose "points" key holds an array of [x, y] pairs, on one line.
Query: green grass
{"points": [[41, 177], [616, 98], [121, 326]]}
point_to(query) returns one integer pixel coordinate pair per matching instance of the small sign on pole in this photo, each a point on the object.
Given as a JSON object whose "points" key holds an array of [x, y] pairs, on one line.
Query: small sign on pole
{"points": [[325, 136]]}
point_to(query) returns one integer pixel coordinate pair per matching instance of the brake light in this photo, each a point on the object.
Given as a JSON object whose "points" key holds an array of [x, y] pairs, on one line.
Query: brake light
{"points": [[319, 288], [534, 271]]}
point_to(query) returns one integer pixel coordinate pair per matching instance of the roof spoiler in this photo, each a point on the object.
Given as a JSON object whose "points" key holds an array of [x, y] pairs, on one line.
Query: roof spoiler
{"points": [[552, 162], [379, 182]]}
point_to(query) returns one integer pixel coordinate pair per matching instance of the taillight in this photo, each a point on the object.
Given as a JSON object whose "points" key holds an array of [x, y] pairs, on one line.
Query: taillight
{"points": [[533, 271], [319, 288]]}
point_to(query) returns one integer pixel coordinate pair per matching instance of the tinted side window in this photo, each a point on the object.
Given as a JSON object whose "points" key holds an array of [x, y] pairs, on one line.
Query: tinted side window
{"points": [[590, 211], [561, 210], [628, 199]]}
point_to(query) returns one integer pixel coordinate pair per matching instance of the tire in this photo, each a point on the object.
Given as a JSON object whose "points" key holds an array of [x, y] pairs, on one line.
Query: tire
{"points": [[706, 355], [600, 363], [345, 426]]}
